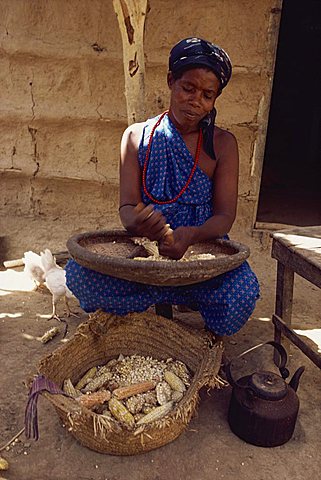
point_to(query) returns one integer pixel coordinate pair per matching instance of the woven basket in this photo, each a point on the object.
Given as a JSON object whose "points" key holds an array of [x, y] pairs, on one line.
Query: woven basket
{"points": [[105, 336], [107, 252]]}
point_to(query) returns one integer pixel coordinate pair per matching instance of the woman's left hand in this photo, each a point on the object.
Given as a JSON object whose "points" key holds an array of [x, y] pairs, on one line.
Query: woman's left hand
{"points": [[181, 239]]}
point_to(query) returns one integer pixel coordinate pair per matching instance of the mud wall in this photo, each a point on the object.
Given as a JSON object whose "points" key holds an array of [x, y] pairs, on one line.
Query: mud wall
{"points": [[63, 105]]}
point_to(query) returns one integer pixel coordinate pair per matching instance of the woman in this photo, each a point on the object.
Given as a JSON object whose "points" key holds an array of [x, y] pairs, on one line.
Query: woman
{"points": [[182, 170]]}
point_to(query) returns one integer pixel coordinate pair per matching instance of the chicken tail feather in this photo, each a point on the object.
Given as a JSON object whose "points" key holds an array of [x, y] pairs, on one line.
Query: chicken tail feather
{"points": [[48, 260]]}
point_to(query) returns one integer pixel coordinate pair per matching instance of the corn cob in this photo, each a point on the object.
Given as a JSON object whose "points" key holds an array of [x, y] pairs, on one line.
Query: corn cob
{"points": [[156, 413], [163, 392], [120, 412], [174, 381], [93, 399], [70, 389], [108, 367], [97, 382], [138, 416], [150, 246], [49, 334], [149, 398], [135, 404], [102, 370], [177, 396], [4, 465], [85, 379], [147, 409], [181, 370], [134, 389]]}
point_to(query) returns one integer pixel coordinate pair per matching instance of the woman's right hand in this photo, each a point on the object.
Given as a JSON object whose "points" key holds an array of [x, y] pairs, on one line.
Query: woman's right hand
{"points": [[144, 221]]}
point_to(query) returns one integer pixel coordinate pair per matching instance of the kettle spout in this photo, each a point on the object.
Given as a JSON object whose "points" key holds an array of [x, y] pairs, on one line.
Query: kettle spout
{"points": [[295, 380]]}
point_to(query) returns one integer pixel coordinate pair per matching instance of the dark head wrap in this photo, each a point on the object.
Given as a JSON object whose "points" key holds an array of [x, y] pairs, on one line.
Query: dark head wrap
{"points": [[192, 53]]}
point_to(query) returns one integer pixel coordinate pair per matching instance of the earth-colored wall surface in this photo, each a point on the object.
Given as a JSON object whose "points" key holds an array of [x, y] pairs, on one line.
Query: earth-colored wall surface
{"points": [[63, 107]]}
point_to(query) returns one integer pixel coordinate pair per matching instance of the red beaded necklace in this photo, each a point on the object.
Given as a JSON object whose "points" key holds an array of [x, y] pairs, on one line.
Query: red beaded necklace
{"points": [[197, 155]]}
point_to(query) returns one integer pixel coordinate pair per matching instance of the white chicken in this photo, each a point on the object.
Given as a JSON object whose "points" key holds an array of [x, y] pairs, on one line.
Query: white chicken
{"points": [[55, 278], [34, 268]]}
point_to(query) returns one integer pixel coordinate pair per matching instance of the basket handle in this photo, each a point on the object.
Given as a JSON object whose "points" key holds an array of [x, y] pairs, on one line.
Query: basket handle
{"points": [[98, 326]]}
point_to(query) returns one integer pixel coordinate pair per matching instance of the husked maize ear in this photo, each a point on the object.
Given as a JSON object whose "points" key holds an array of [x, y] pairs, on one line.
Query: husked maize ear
{"points": [[85, 379], [156, 413], [134, 389], [4, 465], [120, 412], [52, 332], [163, 392], [97, 382], [70, 389], [93, 399], [174, 381]]}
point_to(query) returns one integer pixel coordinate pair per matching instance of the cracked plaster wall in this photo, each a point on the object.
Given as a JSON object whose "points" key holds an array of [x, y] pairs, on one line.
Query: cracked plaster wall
{"points": [[63, 108]]}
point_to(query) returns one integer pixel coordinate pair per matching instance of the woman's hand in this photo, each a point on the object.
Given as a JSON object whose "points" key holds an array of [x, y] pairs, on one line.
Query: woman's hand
{"points": [[146, 222], [176, 246]]}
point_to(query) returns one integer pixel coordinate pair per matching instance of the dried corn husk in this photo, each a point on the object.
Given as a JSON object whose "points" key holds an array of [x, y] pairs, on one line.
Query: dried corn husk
{"points": [[120, 412], [85, 379], [174, 381], [70, 389], [156, 413], [150, 246], [97, 382]]}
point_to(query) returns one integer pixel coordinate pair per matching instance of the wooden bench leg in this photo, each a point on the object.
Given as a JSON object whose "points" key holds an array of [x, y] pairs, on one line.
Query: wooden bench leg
{"points": [[283, 303]]}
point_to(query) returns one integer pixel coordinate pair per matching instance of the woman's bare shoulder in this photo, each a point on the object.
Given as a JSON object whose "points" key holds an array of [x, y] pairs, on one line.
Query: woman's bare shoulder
{"points": [[224, 136], [133, 133], [225, 143]]}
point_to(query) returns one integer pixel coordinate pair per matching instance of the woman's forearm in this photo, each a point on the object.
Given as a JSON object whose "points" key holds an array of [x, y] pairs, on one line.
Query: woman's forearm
{"points": [[216, 226]]}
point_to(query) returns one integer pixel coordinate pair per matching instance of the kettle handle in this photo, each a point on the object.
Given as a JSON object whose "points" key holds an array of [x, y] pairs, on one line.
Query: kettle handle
{"points": [[283, 359]]}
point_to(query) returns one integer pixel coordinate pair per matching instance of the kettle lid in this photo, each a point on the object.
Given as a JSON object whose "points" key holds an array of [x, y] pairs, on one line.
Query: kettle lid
{"points": [[268, 385]]}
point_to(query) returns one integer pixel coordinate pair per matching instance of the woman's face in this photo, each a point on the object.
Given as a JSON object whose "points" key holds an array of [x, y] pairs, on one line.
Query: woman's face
{"points": [[192, 96]]}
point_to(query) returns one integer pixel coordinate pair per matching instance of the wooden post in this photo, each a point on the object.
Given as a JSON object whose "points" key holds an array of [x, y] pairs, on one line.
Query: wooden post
{"points": [[131, 16]]}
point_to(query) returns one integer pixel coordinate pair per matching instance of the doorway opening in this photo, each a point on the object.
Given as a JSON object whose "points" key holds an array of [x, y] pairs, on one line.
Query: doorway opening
{"points": [[290, 192]]}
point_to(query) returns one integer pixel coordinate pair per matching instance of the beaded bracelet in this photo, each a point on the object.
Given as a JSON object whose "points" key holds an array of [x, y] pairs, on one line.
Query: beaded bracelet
{"points": [[127, 205]]}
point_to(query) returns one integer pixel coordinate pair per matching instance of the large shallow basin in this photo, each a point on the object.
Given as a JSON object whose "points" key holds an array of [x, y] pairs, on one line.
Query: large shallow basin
{"points": [[108, 252]]}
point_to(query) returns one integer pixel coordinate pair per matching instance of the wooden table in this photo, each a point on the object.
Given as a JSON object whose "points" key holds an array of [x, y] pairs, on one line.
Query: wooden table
{"points": [[297, 250]]}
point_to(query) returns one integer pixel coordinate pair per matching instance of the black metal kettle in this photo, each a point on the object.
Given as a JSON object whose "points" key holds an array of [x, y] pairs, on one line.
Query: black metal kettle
{"points": [[263, 407]]}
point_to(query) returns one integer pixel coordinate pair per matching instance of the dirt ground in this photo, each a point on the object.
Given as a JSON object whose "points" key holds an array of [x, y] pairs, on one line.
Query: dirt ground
{"points": [[207, 449]]}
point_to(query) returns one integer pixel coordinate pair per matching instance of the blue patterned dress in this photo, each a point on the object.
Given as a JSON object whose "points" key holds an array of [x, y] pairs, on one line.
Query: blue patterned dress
{"points": [[225, 302]]}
